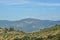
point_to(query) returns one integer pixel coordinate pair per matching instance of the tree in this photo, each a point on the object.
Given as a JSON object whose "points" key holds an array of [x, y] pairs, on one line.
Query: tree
{"points": [[6, 30], [11, 29]]}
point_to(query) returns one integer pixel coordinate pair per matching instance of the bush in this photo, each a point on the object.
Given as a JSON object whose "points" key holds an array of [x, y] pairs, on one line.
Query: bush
{"points": [[26, 38], [50, 36], [17, 38], [39, 39]]}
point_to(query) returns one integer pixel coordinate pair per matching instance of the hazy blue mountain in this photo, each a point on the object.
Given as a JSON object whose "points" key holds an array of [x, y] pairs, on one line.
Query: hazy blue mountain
{"points": [[28, 24]]}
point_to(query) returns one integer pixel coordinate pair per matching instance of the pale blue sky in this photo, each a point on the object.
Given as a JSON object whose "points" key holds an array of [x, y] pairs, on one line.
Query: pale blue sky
{"points": [[20, 9]]}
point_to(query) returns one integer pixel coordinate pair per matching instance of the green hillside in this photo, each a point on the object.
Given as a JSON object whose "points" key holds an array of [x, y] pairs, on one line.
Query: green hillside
{"points": [[52, 33]]}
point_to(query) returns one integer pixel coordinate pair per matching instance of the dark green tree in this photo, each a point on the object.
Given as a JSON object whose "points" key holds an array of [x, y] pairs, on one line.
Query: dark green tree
{"points": [[6, 30], [11, 29]]}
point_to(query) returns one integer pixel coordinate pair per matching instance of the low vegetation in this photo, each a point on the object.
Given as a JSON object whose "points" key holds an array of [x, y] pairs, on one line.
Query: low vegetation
{"points": [[52, 33]]}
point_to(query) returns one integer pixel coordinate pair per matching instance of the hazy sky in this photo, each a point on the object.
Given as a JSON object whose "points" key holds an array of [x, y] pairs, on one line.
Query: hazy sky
{"points": [[19, 9]]}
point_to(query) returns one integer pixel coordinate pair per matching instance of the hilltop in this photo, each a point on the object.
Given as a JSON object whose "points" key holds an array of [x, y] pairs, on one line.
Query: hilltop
{"points": [[28, 24]]}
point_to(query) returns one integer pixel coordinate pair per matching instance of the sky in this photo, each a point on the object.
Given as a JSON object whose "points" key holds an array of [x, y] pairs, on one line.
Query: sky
{"points": [[20, 9]]}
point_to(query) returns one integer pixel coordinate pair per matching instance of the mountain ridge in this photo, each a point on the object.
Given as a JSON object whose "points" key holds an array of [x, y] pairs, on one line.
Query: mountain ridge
{"points": [[28, 24]]}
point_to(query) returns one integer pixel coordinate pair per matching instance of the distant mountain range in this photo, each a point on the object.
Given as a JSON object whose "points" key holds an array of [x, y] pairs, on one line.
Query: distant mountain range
{"points": [[28, 24]]}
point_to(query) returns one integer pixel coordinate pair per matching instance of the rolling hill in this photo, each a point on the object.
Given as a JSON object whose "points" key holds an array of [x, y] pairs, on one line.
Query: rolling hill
{"points": [[28, 24]]}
